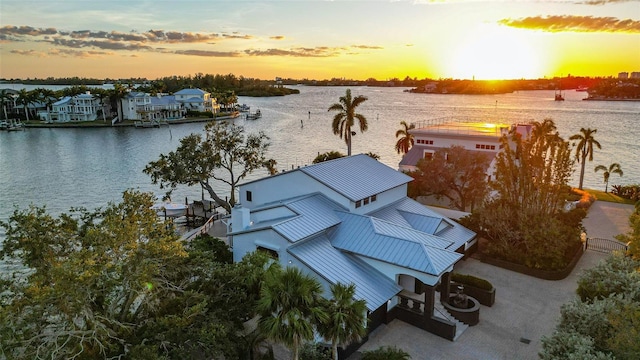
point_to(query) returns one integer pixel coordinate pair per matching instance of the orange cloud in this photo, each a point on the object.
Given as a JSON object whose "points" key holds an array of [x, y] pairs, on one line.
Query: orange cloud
{"points": [[571, 23]]}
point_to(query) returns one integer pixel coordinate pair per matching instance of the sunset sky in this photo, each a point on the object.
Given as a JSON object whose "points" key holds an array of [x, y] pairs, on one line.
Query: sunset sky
{"points": [[319, 39]]}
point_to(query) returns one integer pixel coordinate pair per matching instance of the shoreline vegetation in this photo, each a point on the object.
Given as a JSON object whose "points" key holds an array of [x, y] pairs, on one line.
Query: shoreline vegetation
{"points": [[126, 123], [598, 88]]}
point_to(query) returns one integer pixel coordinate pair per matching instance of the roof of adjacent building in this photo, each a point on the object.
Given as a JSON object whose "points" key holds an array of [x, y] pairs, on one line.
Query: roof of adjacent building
{"points": [[388, 242], [416, 153], [197, 92], [336, 266], [356, 177], [62, 101]]}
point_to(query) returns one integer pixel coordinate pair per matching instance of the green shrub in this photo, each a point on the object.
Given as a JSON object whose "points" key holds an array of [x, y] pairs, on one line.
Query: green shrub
{"points": [[311, 351], [386, 353], [471, 281]]}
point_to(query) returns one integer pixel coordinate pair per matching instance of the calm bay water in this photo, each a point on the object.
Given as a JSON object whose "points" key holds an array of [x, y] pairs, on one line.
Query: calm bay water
{"points": [[64, 168]]}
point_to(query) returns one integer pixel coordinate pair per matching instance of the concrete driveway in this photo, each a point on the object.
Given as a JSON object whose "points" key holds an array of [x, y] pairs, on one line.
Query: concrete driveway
{"points": [[526, 308]]}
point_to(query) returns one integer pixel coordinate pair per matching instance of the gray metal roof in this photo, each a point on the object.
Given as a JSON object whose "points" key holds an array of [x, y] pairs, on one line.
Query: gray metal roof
{"points": [[338, 267], [415, 153], [356, 177], [315, 213], [190, 92], [388, 242], [410, 212]]}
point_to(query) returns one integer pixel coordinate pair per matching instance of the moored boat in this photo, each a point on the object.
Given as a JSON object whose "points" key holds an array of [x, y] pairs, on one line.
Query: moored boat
{"points": [[254, 116]]}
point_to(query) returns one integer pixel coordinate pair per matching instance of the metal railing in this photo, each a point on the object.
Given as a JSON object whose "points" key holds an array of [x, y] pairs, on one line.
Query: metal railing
{"points": [[605, 245], [204, 229]]}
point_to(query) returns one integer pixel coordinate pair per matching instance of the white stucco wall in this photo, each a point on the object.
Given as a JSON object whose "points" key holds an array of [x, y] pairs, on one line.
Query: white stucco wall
{"points": [[245, 243]]}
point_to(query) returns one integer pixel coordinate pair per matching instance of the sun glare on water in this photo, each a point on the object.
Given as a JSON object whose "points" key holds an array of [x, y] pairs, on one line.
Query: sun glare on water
{"points": [[491, 52]]}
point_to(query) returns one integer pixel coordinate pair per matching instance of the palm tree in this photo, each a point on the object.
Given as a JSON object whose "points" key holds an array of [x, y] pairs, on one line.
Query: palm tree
{"points": [[25, 98], [48, 97], [5, 97], [346, 322], [613, 169], [584, 148], [290, 306], [406, 141], [117, 94], [343, 121]]}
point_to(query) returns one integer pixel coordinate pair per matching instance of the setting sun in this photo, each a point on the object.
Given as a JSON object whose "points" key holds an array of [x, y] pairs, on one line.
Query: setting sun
{"points": [[493, 52]]}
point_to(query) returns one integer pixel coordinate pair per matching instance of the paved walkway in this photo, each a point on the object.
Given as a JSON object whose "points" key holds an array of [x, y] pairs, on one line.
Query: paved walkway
{"points": [[526, 308]]}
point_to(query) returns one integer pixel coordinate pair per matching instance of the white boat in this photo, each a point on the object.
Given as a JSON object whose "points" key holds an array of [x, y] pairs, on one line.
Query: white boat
{"points": [[12, 125], [243, 108], [254, 116], [170, 209]]}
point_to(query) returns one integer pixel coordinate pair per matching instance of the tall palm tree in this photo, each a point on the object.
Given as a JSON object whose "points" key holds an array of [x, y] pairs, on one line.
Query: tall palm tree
{"points": [[117, 94], [290, 306], [346, 322], [584, 148], [5, 97], [48, 97], [343, 121], [406, 141], [613, 169], [25, 98]]}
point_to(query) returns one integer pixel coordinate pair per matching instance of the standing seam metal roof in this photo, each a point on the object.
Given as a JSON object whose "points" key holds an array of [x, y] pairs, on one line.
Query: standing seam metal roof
{"points": [[410, 210], [387, 242], [315, 213], [356, 177], [338, 267]]}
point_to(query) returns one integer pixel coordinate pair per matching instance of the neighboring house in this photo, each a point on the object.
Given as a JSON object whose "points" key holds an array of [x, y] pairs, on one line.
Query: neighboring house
{"points": [[349, 220], [142, 106], [431, 136], [83, 107], [197, 100]]}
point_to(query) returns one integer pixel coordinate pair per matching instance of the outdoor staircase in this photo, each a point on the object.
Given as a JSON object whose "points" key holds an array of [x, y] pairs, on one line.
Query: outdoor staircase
{"points": [[441, 312]]}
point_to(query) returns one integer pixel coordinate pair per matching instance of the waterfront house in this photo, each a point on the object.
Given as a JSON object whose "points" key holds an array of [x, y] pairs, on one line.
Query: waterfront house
{"points": [[82, 107], [430, 136], [197, 100], [143, 106], [349, 220]]}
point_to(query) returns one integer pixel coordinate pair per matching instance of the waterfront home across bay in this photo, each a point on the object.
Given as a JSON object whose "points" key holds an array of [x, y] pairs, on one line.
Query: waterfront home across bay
{"points": [[432, 135]]}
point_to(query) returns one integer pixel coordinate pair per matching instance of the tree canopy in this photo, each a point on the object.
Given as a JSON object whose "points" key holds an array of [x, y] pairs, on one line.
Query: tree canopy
{"points": [[117, 282], [225, 155], [529, 189], [604, 322], [455, 173]]}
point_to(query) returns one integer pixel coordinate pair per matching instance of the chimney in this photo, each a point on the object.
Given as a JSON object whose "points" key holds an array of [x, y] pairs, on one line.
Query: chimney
{"points": [[240, 218]]}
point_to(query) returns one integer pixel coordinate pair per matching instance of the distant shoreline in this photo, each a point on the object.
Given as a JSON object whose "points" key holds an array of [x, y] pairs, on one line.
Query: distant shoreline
{"points": [[126, 123], [609, 99]]}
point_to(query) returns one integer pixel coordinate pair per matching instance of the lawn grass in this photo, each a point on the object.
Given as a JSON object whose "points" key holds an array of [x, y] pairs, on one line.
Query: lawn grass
{"points": [[602, 196]]}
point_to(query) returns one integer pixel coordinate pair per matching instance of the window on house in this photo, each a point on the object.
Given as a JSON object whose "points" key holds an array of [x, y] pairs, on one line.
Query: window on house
{"points": [[270, 252], [493, 147], [477, 146], [358, 203], [428, 155], [482, 146], [374, 198], [366, 201], [249, 195]]}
